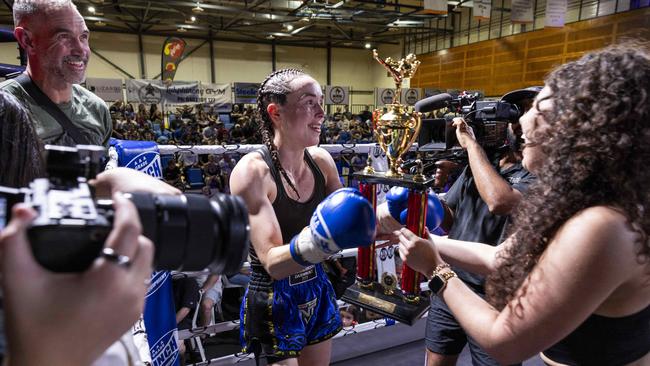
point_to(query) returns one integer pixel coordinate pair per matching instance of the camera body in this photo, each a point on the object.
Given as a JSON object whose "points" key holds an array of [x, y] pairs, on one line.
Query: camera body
{"points": [[190, 232], [489, 120]]}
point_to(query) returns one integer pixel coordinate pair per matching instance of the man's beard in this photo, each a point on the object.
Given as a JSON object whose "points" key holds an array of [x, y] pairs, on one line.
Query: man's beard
{"points": [[68, 75]]}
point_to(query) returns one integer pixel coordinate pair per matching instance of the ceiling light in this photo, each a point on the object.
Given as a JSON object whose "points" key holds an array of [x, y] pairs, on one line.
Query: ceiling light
{"points": [[337, 5], [304, 19], [193, 18], [197, 8], [270, 36], [99, 23], [289, 27], [91, 9], [181, 29], [368, 46]]}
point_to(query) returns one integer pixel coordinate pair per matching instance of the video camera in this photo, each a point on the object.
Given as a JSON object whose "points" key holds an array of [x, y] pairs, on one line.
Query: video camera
{"points": [[488, 119], [190, 232]]}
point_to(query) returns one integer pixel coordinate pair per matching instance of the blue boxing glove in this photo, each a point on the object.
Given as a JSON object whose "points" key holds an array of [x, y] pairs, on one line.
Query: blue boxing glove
{"points": [[345, 219], [397, 201], [435, 212]]}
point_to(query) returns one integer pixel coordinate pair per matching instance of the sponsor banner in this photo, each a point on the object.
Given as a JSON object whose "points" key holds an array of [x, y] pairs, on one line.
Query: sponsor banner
{"points": [[522, 11], [172, 51], [160, 321], [555, 13], [384, 96], [337, 94], [637, 4], [109, 90], [410, 96], [482, 9], [153, 91], [217, 95], [435, 6], [246, 93]]}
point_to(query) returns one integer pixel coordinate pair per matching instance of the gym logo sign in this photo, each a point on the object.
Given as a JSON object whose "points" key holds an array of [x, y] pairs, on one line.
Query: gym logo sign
{"points": [[337, 94], [307, 310]]}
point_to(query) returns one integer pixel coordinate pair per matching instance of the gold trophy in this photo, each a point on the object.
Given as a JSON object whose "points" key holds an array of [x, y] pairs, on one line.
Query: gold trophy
{"points": [[397, 129]]}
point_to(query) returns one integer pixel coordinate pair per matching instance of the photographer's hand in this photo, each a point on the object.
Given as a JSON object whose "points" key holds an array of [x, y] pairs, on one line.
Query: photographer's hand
{"points": [[464, 133], [129, 180], [73, 317]]}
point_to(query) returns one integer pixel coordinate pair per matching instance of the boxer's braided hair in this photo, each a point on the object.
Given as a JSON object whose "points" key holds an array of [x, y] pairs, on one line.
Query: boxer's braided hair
{"points": [[274, 89]]}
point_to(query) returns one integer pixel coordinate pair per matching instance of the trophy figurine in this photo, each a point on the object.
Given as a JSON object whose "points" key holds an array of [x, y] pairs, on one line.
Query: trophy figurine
{"points": [[396, 131]]}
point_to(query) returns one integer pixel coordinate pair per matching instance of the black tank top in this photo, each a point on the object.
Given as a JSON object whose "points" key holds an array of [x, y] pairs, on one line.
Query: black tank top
{"points": [[602, 340], [292, 215]]}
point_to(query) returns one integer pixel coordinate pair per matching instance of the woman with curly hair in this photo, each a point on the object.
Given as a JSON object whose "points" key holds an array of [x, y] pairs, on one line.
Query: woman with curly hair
{"points": [[573, 280]]}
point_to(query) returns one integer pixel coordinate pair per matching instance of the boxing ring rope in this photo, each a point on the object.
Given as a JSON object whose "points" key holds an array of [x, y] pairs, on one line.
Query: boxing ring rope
{"points": [[364, 330]]}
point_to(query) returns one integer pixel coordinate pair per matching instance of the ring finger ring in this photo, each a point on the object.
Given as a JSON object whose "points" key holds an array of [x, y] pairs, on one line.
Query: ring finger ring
{"points": [[111, 255]]}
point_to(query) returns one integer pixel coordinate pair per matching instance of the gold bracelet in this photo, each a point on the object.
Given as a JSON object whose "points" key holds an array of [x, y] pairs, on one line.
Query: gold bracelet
{"points": [[440, 267]]}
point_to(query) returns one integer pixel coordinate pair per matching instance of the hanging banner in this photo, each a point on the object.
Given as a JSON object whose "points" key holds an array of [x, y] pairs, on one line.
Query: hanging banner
{"points": [[522, 12], [410, 96], [555, 12], [384, 96], [172, 51], [482, 9], [607, 7], [246, 93], [217, 95], [337, 94], [435, 7], [109, 90], [153, 91]]}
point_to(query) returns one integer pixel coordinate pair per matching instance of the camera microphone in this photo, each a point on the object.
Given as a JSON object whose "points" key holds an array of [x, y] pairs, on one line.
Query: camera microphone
{"points": [[432, 103]]}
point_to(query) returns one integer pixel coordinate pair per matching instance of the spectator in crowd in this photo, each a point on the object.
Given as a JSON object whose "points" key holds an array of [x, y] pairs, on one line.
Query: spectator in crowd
{"points": [[212, 290], [349, 316], [366, 115]]}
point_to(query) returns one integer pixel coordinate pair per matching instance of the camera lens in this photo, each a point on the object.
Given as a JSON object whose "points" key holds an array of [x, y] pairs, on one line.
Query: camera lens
{"points": [[192, 232]]}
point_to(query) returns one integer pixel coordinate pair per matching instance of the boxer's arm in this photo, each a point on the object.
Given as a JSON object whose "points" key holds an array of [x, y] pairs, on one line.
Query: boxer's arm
{"points": [[251, 180]]}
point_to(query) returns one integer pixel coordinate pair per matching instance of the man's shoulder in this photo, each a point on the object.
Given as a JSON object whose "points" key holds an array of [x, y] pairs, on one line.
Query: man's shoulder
{"points": [[11, 86], [88, 97]]}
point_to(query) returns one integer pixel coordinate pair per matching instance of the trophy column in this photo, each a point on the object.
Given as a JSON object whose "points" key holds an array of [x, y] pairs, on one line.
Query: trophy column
{"points": [[366, 271], [416, 222]]}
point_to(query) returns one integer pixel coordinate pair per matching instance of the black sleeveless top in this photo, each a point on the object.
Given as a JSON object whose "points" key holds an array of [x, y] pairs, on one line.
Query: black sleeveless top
{"points": [[292, 215], [602, 340]]}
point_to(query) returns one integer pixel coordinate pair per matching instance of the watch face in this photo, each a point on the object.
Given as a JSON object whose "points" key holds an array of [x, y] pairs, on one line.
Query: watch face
{"points": [[436, 284]]}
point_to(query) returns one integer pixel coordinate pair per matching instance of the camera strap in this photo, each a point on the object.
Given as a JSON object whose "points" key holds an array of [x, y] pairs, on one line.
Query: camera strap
{"points": [[52, 109]]}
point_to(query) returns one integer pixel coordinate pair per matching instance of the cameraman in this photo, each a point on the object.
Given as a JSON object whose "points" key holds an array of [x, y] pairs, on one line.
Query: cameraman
{"points": [[477, 205]]}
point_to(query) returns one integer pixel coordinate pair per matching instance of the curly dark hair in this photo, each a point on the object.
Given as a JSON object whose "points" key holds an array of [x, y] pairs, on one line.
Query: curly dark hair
{"points": [[20, 148], [597, 150]]}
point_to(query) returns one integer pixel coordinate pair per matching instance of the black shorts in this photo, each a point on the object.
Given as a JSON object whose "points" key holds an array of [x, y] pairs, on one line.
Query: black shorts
{"points": [[445, 336]]}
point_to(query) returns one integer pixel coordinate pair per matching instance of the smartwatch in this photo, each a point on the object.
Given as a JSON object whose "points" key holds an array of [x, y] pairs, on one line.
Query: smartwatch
{"points": [[439, 281]]}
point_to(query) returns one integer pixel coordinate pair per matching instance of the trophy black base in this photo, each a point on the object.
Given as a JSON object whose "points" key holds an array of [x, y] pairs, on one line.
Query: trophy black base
{"points": [[394, 306], [405, 180]]}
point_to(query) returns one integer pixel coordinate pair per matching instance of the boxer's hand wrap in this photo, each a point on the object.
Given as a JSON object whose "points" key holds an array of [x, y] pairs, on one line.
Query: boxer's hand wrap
{"points": [[345, 219]]}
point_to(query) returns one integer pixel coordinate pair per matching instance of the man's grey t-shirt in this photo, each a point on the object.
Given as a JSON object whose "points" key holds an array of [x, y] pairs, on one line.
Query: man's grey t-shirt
{"points": [[473, 221], [86, 111]]}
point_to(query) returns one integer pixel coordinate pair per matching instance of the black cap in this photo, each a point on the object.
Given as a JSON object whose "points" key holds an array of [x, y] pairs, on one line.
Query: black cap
{"points": [[516, 96]]}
